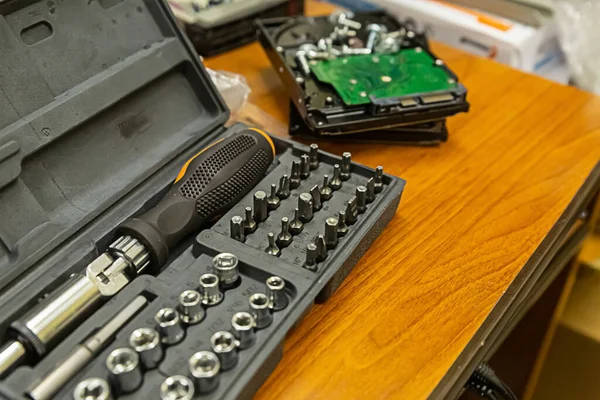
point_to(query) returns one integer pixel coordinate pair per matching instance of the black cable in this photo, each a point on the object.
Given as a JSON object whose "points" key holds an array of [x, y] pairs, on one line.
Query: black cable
{"points": [[486, 384]]}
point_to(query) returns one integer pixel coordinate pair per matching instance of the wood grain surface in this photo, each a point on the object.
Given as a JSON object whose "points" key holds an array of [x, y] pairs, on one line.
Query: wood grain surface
{"points": [[474, 210]]}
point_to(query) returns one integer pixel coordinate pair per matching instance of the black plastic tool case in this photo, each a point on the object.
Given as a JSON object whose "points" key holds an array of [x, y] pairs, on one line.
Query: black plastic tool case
{"points": [[101, 103]]}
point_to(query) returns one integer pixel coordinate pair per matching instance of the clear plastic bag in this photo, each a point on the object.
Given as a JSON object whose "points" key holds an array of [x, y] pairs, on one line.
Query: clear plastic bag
{"points": [[233, 88]]}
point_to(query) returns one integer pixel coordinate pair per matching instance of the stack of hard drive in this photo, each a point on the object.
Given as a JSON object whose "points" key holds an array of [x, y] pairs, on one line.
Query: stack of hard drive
{"points": [[362, 77]]}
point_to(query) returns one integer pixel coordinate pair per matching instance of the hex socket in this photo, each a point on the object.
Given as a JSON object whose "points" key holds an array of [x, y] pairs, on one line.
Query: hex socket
{"points": [[275, 292], [92, 389], [259, 308], [190, 307], [243, 325], [177, 387], [224, 346], [124, 369], [146, 342], [225, 266], [204, 369], [168, 324], [209, 289]]}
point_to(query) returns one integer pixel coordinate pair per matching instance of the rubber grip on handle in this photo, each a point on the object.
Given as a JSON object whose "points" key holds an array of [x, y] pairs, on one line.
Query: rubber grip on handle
{"points": [[208, 185]]}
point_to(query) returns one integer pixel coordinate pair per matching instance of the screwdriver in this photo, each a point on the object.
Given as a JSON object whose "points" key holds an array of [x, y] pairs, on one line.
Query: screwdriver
{"points": [[208, 185]]}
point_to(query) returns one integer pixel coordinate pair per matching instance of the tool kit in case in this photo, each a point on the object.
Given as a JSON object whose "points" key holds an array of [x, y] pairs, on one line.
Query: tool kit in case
{"points": [[147, 251]]}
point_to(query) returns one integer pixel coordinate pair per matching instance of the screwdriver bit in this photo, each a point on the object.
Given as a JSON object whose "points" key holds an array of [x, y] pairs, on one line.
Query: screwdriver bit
{"points": [[361, 199], [370, 190], [236, 228], [284, 187], [260, 206], [351, 211], [321, 248], [304, 166], [326, 191], [378, 179], [305, 205], [273, 201], [296, 225], [314, 156], [331, 235], [311, 257], [295, 178], [346, 161], [336, 181], [285, 237], [272, 248], [249, 222], [342, 228], [316, 197]]}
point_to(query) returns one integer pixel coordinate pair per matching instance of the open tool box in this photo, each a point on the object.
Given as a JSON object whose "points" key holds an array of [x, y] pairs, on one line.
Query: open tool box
{"points": [[343, 81], [101, 103]]}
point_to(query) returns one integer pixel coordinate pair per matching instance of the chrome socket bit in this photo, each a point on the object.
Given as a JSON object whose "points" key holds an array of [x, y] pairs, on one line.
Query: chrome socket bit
{"points": [[336, 181], [243, 325], [92, 389], [236, 228], [259, 308], [321, 248], [209, 289], [378, 179], [296, 225], [146, 343], [295, 178], [283, 192], [272, 248], [305, 205], [316, 198], [313, 155], [311, 257], [225, 267], [168, 324], [177, 387], [345, 169], [331, 235], [204, 369], [342, 228], [224, 346], [261, 209], [273, 201], [326, 192], [125, 372], [284, 239], [304, 166], [190, 307], [276, 293], [361, 199], [249, 222], [370, 190], [351, 211]]}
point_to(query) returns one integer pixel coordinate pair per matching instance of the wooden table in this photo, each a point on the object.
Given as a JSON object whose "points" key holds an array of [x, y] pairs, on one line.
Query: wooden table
{"points": [[412, 314]]}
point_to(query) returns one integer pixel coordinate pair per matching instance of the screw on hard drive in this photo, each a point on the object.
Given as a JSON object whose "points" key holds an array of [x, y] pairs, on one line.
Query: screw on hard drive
{"points": [[331, 233], [260, 206], [326, 192], [370, 190], [125, 370], [146, 342], [304, 166], [190, 307], [225, 267], [283, 192], [351, 211], [273, 201], [259, 308], [336, 181], [321, 248], [177, 387], [92, 389], [375, 30], [285, 237], [346, 161], [295, 178], [224, 346], [272, 248], [296, 225], [276, 293], [311, 257], [313, 155], [316, 197], [355, 51], [236, 228], [344, 18], [361, 199], [204, 369], [244, 326], [342, 228], [209, 289], [302, 62], [305, 205], [378, 179], [249, 223]]}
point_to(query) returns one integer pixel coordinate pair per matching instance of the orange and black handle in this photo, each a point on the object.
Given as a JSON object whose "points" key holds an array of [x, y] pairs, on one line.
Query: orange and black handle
{"points": [[207, 186]]}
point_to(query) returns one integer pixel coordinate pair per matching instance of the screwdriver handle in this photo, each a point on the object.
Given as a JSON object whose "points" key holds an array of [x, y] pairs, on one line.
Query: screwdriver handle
{"points": [[208, 185]]}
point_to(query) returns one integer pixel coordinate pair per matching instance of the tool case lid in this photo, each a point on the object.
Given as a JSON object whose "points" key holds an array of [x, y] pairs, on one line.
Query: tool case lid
{"points": [[96, 96]]}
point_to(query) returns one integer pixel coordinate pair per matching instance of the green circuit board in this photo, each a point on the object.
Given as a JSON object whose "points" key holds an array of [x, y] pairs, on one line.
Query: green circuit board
{"points": [[407, 72]]}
